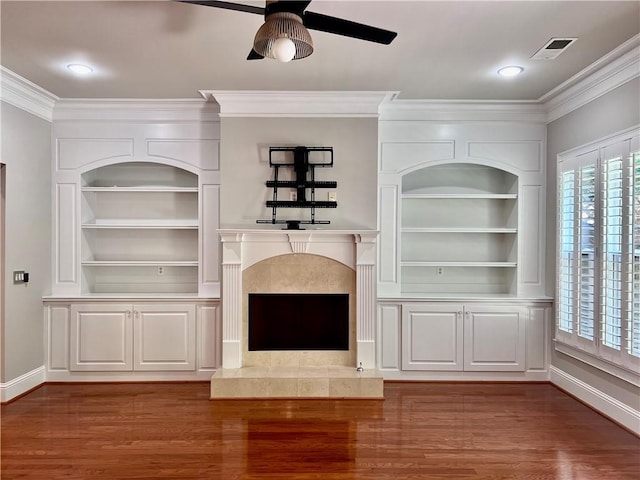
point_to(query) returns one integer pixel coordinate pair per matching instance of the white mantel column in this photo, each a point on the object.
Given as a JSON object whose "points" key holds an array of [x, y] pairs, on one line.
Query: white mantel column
{"points": [[366, 299], [231, 300]]}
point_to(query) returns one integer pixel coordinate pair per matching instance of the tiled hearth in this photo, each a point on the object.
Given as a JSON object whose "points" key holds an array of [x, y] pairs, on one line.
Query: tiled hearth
{"points": [[310, 261], [302, 382]]}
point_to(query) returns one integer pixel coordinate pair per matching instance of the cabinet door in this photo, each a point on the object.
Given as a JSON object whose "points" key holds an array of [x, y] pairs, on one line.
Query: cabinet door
{"points": [[101, 338], [165, 337], [494, 338], [432, 337]]}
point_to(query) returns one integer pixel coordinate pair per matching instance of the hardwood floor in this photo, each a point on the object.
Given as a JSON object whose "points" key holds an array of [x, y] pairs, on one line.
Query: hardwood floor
{"points": [[421, 431]]}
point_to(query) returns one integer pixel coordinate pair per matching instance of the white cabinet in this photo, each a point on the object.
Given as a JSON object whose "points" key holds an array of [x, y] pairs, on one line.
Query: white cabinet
{"points": [[125, 337], [494, 338], [463, 337], [432, 337], [101, 338], [139, 229]]}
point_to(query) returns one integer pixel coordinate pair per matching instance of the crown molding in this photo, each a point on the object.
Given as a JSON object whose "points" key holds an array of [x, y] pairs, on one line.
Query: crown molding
{"points": [[25, 95], [462, 110], [297, 103], [580, 89], [607, 73], [109, 109]]}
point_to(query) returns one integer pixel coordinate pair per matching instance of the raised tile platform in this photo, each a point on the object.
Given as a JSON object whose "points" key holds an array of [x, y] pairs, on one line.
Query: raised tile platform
{"points": [[296, 382]]}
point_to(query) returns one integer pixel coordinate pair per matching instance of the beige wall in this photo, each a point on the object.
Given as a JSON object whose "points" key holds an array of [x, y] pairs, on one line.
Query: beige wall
{"points": [[244, 167], [26, 151], [611, 113]]}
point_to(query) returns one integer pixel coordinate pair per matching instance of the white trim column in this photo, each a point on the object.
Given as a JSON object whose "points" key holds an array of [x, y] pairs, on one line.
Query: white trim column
{"points": [[231, 300], [366, 299]]}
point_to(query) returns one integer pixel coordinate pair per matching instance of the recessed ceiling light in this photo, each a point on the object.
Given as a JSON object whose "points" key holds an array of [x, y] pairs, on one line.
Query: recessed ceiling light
{"points": [[79, 68], [511, 71]]}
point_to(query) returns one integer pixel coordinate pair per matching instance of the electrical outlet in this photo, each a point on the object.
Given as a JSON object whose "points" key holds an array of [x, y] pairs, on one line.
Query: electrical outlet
{"points": [[332, 196], [293, 196], [160, 270], [439, 271]]}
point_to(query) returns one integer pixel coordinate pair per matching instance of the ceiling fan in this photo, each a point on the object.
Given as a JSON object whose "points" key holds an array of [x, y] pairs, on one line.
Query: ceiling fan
{"points": [[284, 35]]}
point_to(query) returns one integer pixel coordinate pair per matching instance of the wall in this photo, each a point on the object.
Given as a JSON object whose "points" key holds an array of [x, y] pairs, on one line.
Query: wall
{"points": [[245, 168], [26, 151], [610, 113]]}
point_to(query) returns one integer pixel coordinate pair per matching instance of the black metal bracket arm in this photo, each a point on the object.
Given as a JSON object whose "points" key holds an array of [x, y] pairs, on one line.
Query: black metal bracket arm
{"points": [[304, 183]]}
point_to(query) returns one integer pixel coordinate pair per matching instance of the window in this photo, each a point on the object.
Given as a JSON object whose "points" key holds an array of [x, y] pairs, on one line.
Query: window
{"points": [[598, 277]]}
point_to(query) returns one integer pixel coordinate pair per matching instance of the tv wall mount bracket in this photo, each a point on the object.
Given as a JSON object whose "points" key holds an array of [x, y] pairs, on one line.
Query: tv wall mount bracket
{"points": [[305, 184]]}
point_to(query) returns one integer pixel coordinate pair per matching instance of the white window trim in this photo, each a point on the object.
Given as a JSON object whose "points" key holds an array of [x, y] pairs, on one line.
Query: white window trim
{"points": [[599, 363]]}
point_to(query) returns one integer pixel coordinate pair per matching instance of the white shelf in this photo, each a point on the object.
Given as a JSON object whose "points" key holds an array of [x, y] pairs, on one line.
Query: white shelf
{"points": [[137, 218], [138, 263], [145, 189], [458, 230], [121, 223], [460, 196], [458, 264]]}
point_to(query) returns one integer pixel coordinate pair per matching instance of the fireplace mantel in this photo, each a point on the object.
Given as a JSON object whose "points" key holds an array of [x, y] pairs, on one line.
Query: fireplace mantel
{"points": [[244, 247]]}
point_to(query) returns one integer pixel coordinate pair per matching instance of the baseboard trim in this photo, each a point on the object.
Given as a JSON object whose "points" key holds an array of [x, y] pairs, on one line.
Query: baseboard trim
{"points": [[608, 406], [22, 384]]}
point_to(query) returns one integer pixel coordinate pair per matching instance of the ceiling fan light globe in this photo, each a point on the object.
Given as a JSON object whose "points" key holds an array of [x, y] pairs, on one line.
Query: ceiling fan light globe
{"points": [[283, 49], [283, 25]]}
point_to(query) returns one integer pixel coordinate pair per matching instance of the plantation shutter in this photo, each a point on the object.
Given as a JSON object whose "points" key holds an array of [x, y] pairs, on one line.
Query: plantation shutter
{"points": [[619, 314], [566, 249], [577, 249], [598, 278], [634, 318]]}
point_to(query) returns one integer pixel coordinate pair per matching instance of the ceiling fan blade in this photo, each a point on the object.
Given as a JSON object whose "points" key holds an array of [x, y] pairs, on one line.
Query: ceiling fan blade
{"points": [[227, 5], [253, 55], [347, 28]]}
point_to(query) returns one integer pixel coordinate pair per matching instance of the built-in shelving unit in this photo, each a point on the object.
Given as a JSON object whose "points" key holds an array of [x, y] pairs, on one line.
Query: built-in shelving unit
{"points": [[139, 229], [458, 231]]}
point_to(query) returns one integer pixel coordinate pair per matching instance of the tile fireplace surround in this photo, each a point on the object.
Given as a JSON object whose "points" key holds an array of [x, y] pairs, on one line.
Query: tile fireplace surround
{"points": [[305, 261]]}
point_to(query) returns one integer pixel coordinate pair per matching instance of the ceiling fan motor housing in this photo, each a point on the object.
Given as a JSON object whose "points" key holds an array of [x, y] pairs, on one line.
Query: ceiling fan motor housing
{"points": [[283, 25]]}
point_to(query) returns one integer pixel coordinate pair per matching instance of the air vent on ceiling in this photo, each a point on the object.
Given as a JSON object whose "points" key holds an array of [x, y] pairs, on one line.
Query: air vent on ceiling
{"points": [[553, 48]]}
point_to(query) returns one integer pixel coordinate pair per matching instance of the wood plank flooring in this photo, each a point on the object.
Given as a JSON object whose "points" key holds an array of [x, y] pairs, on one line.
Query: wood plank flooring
{"points": [[421, 431]]}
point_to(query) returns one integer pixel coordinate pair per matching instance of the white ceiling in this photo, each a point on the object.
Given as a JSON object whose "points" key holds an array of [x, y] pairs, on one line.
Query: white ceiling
{"points": [[444, 50]]}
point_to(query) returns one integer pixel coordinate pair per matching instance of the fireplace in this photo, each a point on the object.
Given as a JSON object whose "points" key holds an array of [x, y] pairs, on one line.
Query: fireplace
{"points": [[298, 321], [267, 265], [299, 274]]}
